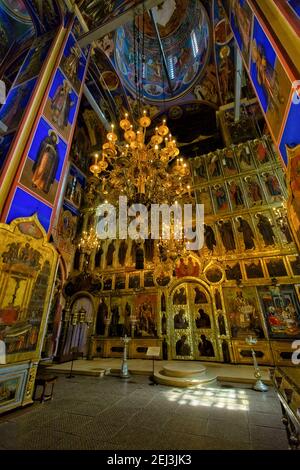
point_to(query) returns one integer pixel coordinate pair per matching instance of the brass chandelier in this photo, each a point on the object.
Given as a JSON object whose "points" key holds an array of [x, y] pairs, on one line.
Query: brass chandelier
{"points": [[146, 172]]}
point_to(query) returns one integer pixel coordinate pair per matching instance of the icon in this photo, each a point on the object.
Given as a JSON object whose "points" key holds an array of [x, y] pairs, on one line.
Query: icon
{"points": [[296, 92]]}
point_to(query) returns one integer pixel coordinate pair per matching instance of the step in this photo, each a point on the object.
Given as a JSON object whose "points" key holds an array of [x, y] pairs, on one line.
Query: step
{"points": [[182, 382], [183, 370]]}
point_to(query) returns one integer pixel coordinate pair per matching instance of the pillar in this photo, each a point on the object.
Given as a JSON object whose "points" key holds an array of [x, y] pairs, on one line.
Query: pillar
{"points": [[33, 176]]}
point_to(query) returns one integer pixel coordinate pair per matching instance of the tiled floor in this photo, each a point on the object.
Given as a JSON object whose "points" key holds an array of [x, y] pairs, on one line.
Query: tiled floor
{"points": [[109, 413]]}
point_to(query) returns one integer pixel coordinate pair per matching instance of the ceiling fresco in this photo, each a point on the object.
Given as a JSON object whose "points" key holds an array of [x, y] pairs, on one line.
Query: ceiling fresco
{"points": [[17, 9], [15, 25], [186, 42], [97, 12], [46, 14]]}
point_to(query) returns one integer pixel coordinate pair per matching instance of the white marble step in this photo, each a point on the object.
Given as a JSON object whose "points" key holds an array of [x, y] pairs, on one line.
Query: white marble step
{"points": [[188, 381], [186, 369]]}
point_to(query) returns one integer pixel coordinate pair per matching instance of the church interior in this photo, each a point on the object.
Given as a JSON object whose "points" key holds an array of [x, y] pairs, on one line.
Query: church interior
{"points": [[174, 103]]}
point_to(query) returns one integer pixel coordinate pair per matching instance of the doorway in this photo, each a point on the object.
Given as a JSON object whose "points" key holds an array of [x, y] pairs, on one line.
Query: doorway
{"points": [[192, 328]]}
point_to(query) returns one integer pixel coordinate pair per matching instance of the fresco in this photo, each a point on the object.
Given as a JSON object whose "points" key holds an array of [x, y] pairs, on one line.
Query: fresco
{"points": [[64, 233], [12, 111], [241, 19], [281, 309], [24, 297], [270, 80], [35, 58], [293, 156], [112, 94], [187, 54], [43, 166], [98, 11], [75, 187], [81, 148], [253, 269], [276, 267], [73, 63], [61, 105], [146, 314], [243, 312], [223, 54], [17, 9], [46, 15], [5, 143], [290, 138], [15, 25], [26, 205]]}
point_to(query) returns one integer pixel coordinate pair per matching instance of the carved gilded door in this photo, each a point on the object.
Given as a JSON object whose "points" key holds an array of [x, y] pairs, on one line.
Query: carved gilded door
{"points": [[192, 323]]}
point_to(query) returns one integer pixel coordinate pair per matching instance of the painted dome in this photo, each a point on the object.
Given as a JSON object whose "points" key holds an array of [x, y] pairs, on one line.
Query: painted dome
{"points": [[17, 9], [185, 34]]}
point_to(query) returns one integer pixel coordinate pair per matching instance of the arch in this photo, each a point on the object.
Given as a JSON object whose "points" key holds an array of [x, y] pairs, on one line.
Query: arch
{"points": [[78, 334], [192, 320], [176, 282]]}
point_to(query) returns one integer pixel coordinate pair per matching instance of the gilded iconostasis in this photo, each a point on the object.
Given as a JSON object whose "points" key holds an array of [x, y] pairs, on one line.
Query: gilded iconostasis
{"points": [[201, 305]]}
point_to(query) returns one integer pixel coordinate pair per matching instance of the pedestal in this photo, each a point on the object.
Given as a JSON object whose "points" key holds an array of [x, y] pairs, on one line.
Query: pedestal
{"points": [[124, 369]]}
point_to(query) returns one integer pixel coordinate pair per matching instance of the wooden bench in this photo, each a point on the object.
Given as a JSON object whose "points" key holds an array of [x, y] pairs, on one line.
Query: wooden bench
{"points": [[44, 382]]}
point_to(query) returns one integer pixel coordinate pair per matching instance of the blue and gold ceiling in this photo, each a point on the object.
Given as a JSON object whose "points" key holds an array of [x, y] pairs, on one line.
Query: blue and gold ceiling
{"points": [[186, 40]]}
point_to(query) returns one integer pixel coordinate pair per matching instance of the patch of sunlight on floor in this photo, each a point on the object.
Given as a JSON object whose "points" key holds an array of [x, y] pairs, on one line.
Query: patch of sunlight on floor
{"points": [[236, 400]]}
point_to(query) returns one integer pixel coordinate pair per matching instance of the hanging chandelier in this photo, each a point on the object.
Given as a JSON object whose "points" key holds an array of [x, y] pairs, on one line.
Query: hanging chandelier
{"points": [[146, 172], [143, 163], [89, 241]]}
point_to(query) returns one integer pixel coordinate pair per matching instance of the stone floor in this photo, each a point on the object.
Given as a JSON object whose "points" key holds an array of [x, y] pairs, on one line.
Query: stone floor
{"points": [[108, 413]]}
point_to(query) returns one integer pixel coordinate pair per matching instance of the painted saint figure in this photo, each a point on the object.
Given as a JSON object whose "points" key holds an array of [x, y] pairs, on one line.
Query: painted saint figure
{"points": [[200, 297], [180, 322], [266, 229], [247, 232], [46, 164], [254, 190], [115, 318], [14, 109], [228, 162], [203, 320], [214, 167], [221, 323], [245, 157], [209, 237], [101, 317], [261, 152], [72, 62], [199, 169], [98, 257], [122, 252], [205, 347], [127, 324], [179, 297], [110, 253], [226, 232], [139, 257], [61, 104], [284, 227], [221, 198], [236, 194], [149, 249], [272, 184], [182, 347]]}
